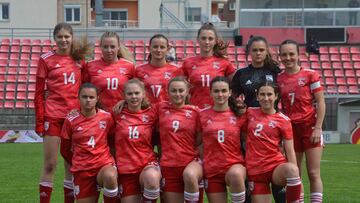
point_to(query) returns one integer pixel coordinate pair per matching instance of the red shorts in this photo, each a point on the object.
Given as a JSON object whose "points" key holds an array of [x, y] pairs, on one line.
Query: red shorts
{"points": [[172, 179], [260, 184], [53, 126], [215, 184], [129, 184], [302, 137], [85, 184]]}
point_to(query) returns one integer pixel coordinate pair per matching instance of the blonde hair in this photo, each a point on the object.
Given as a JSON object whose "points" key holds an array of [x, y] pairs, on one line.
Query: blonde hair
{"points": [[187, 84], [123, 51], [145, 102]]}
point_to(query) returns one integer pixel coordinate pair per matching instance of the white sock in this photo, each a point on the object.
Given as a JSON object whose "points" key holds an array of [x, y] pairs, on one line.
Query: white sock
{"points": [[192, 197], [316, 197], [237, 197], [110, 192]]}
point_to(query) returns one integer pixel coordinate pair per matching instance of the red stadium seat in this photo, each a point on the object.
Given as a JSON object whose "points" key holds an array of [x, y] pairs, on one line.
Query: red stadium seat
{"points": [[345, 57], [302, 49], [11, 78], [25, 49], [355, 50], [15, 49], [22, 78], [97, 56], [46, 49], [357, 73], [21, 95], [347, 65], [47, 42], [36, 42], [240, 50], [349, 73], [329, 81], [328, 73], [31, 104], [340, 81], [351, 81], [2, 79], [139, 50], [31, 95], [32, 71], [315, 65], [314, 58], [337, 65], [35, 57], [342, 89], [23, 70], [197, 50], [36, 49], [344, 50], [139, 43], [325, 65], [324, 58], [14, 56], [231, 50], [241, 58], [5, 41], [324, 50], [305, 65], [231, 58], [15, 42], [335, 57], [331, 89], [3, 71], [21, 87], [20, 105], [3, 62], [4, 49], [355, 57], [9, 105], [353, 89], [12, 70], [303, 58], [357, 65], [129, 43], [13, 62], [32, 78], [333, 50], [4, 56], [10, 95], [339, 73], [241, 65], [10, 86], [97, 50], [25, 56]]}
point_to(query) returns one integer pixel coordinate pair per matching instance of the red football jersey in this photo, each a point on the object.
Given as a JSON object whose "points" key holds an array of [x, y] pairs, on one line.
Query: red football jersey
{"points": [[296, 92], [133, 135], [178, 129], [264, 135], [89, 139], [221, 140], [62, 76], [156, 80], [200, 71], [110, 79]]}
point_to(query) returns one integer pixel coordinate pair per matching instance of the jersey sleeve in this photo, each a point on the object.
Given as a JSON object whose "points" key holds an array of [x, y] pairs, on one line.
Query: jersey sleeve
{"points": [[286, 130], [315, 84], [66, 131], [39, 97], [230, 69]]}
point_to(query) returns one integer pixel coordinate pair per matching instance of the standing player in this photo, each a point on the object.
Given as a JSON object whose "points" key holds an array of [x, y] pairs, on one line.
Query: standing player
{"points": [[265, 162], [136, 161], [223, 160], [178, 126], [299, 89], [157, 72], [60, 70], [112, 71], [211, 62], [92, 164], [246, 81]]}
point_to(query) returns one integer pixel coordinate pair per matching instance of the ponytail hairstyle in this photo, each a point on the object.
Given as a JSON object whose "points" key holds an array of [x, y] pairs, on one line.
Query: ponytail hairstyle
{"points": [[91, 86], [269, 62], [145, 102], [123, 51], [79, 49], [155, 37], [220, 47], [232, 103], [290, 41], [275, 88], [187, 84]]}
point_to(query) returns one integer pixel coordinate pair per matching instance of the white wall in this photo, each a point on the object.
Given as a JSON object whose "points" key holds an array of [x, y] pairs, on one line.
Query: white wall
{"points": [[31, 14], [149, 15]]}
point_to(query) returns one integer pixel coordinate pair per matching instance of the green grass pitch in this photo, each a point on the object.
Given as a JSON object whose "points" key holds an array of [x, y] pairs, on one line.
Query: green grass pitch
{"points": [[20, 168]]}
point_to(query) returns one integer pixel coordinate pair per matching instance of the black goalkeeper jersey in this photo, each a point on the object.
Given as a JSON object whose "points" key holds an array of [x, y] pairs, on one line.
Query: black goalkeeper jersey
{"points": [[246, 80]]}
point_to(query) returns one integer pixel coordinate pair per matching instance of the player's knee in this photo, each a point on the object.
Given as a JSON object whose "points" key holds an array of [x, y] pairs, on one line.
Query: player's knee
{"points": [[313, 174], [152, 180], [110, 177], [292, 170], [190, 177], [236, 173]]}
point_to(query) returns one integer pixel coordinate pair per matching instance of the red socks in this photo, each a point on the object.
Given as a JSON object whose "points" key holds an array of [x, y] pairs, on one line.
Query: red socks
{"points": [[45, 189], [293, 189]]}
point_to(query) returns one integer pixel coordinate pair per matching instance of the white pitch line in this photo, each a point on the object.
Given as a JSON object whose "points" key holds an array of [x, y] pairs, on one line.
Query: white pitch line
{"points": [[345, 162]]}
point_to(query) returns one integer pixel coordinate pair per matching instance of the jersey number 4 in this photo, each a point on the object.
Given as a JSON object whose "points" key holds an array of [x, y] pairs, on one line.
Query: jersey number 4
{"points": [[91, 142]]}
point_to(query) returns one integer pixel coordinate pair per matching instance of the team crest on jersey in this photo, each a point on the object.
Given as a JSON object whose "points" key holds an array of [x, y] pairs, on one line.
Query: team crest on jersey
{"points": [[216, 65], [232, 120], [269, 78], [46, 125], [122, 71], [99, 71], [301, 81], [102, 124], [167, 75], [188, 113], [272, 124], [194, 68], [145, 118]]}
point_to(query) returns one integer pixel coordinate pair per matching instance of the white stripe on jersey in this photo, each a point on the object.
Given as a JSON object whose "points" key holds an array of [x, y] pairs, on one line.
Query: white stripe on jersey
{"points": [[71, 116], [315, 85], [48, 54], [283, 116]]}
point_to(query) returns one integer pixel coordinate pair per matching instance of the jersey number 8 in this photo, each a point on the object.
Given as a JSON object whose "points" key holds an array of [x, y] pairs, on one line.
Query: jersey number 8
{"points": [[221, 136]]}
